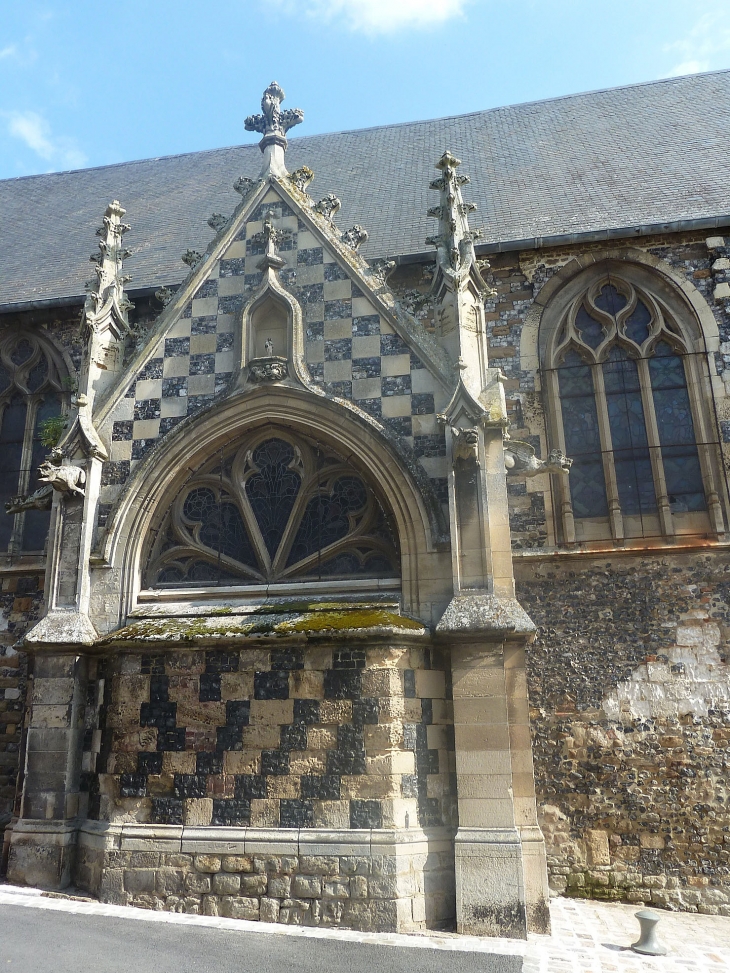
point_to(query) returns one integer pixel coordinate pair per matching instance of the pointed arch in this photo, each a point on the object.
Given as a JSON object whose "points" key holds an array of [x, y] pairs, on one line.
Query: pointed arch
{"points": [[33, 389], [627, 392], [349, 436]]}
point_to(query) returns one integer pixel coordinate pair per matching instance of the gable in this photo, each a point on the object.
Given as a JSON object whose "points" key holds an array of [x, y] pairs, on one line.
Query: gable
{"points": [[358, 347]]}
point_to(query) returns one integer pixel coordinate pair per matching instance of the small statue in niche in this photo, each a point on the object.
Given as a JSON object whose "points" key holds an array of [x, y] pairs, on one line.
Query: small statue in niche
{"points": [[269, 347]]}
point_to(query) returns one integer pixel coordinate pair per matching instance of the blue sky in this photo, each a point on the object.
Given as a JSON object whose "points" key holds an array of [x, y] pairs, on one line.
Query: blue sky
{"points": [[88, 83]]}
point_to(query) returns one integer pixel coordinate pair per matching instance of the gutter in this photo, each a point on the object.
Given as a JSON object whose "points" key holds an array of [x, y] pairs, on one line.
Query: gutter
{"points": [[587, 236], [482, 249]]}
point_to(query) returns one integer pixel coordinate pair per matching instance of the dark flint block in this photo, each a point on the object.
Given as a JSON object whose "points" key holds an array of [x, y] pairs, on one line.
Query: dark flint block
{"points": [[171, 739], [207, 762], [306, 711], [228, 738], [287, 659], [210, 687], [217, 661], [133, 785], [238, 712], [161, 715], [190, 785], [231, 813], [365, 711], [321, 788], [294, 737], [159, 686], [149, 763], [295, 813], [250, 786], [166, 810], [274, 763], [271, 685], [366, 814], [342, 684]]}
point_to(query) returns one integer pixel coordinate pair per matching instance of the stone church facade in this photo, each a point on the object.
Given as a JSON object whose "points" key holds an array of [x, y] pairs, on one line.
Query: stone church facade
{"points": [[349, 579]]}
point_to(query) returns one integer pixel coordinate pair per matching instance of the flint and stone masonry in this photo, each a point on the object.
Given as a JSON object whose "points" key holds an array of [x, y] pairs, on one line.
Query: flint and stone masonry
{"points": [[321, 633]]}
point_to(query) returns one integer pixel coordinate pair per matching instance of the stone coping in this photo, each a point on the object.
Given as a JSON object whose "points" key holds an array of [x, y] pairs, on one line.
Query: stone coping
{"points": [[294, 620], [248, 841]]}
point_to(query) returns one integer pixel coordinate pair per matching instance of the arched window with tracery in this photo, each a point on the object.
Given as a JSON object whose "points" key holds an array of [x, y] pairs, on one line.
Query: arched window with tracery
{"points": [[627, 402], [30, 394], [274, 508]]}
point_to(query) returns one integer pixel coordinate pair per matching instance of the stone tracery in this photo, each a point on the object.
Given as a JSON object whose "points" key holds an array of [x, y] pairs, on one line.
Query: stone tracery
{"points": [[277, 508]]}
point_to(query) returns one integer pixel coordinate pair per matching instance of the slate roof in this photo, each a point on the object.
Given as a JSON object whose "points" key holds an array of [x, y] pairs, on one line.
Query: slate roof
{"points": [[644, 155]]}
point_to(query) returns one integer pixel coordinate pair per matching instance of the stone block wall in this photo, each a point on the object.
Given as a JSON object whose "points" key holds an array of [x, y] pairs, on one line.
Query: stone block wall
{"points": [[369, 882], [630, 709], [315, 737]]}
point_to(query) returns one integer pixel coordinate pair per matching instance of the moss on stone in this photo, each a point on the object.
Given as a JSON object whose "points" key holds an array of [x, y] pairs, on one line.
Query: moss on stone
{"points": [[277, 620]]}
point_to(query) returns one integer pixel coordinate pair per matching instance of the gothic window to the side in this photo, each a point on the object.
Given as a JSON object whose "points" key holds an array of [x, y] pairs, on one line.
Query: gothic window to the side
{"points": [[30, 394], [275, 508], [626, 399]]}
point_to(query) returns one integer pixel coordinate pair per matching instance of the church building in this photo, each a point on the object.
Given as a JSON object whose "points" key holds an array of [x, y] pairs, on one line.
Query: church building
{"points": [[365, 555]]}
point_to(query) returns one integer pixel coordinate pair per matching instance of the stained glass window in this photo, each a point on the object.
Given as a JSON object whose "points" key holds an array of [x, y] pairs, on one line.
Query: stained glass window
{"points": [[626, 410], [274, 509], [30, 393], [628, 433], [582, 438], [676, 430]]}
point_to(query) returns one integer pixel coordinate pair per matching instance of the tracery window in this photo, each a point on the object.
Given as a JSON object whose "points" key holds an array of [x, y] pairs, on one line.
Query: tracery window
{"points": [[276, 508], [626, 386], [30, 393]]}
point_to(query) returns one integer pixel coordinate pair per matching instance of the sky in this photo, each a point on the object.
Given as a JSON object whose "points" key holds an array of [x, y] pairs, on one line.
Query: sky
{"points": [[90, 83]]}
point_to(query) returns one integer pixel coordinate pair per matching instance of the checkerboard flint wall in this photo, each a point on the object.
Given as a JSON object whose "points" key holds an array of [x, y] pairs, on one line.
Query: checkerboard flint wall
{"points": [[351, 352]]}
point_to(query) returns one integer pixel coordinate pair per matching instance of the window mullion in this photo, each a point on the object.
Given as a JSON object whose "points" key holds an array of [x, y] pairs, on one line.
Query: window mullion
{"points": [[566, 502], [666, 522], [696, 377], [24, 475], [609, 469]]}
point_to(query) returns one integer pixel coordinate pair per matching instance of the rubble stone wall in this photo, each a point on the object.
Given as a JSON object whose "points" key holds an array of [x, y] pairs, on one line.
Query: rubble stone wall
{"points": [[21, 597], [630, 708]]}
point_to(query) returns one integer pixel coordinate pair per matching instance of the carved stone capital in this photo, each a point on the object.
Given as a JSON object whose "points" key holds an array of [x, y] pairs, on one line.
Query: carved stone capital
{"points": [[271, 369]]}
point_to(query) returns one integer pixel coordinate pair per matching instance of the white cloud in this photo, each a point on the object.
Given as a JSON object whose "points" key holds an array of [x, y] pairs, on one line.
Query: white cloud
{"points": [[32, 129], [381, 16], [702, 45], [10, 51]]}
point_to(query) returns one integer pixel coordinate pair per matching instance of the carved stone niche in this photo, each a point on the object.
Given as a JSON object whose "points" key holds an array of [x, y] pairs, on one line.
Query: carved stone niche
{"points": [[268, 341]]}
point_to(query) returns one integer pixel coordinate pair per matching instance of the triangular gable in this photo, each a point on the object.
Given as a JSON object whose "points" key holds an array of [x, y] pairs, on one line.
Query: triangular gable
{"points": [[358, 345]]}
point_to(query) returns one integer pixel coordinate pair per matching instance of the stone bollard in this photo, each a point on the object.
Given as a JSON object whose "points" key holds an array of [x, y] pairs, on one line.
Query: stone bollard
{"points": [[647, 942]]}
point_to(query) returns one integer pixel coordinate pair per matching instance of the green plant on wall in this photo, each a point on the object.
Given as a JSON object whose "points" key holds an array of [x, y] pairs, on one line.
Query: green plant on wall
{"points": [[51, 430]]}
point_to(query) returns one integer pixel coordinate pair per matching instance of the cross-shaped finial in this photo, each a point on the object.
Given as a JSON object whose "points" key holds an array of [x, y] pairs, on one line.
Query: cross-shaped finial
{"points": [[273, 123]]}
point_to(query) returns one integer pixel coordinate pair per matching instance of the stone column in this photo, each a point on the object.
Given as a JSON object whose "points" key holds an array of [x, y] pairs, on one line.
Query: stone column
{"points": [[44, 838]]}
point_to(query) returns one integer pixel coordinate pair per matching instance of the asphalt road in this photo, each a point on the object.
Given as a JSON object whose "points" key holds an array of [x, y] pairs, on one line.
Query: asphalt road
{"points": [[40, 941]]}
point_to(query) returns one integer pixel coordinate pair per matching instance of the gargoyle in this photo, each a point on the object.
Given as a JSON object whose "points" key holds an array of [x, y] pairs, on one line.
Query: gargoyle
{"points": [[65, 479], [40, 499], [520, 457], [465, 445]]}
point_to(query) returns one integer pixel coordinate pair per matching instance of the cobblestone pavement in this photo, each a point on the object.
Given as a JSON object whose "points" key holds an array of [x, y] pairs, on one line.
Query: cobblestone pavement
{"points": [[594, 937], [587, 937]]}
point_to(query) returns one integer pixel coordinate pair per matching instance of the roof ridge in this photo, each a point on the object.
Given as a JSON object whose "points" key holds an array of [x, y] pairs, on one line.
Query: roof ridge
{"points": [[372, 128]]}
